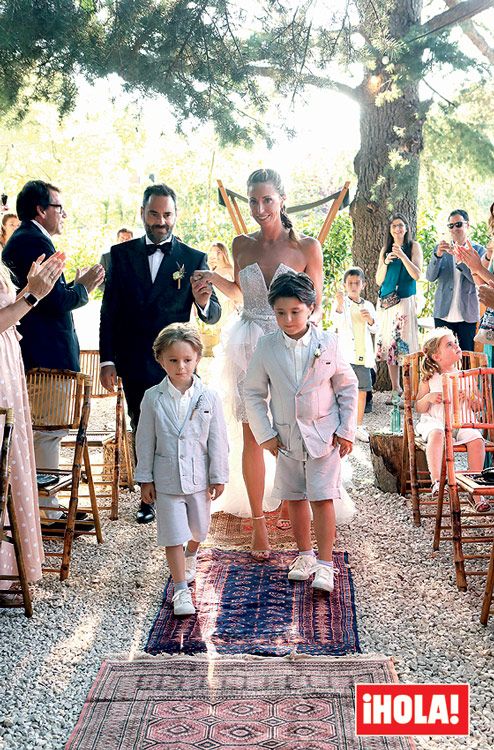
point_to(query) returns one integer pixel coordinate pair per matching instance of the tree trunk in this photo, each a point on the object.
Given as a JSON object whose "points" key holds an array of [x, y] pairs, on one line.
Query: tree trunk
{"points": [[387, 165]]}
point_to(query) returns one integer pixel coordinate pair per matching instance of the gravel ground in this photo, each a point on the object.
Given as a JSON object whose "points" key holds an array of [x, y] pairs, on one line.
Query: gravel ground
{"points": [[407, 607]]}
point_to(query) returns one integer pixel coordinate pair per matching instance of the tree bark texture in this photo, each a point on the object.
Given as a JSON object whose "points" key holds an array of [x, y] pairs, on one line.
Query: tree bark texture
{"points": [[387, 164]]}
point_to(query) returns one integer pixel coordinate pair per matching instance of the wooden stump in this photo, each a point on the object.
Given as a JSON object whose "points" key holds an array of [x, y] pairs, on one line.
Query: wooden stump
{"points": [[386, 456]]}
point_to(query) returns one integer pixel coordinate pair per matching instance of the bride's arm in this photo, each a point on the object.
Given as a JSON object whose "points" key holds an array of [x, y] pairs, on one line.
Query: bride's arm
{"points": [[230, 288], [314, 269]]}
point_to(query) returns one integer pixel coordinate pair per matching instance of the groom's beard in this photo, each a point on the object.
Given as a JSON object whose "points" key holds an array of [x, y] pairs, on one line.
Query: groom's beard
{"points": [[156, 235]]}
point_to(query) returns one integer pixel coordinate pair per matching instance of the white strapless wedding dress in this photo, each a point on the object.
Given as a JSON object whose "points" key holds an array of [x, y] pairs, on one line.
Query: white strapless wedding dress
{"points": [[239, 338]]}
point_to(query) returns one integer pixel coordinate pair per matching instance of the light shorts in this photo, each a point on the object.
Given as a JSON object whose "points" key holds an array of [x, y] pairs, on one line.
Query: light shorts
{"points": [[182, 517], [364, 377], [312, 479]]}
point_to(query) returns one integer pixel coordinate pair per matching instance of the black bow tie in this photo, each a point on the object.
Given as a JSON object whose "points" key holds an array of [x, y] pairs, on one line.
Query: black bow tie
{"points": [[165, 248]]}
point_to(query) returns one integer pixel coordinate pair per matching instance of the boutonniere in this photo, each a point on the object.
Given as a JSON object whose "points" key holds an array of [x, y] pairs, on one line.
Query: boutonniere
{"points": [[196, 406], [317, 354], [178, 275]]}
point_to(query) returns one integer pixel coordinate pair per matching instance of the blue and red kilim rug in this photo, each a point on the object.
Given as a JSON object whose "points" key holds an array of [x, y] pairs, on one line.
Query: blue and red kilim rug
{"points": [[249, 607]]}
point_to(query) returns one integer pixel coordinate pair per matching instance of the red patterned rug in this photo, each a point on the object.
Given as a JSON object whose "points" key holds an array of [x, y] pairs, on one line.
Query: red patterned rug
{"points": [[181, 703], [234, 531], [248, 607]]}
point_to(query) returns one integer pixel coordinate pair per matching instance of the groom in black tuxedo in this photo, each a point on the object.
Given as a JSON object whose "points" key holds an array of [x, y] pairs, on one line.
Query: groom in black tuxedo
{"points": [[148, 286]]}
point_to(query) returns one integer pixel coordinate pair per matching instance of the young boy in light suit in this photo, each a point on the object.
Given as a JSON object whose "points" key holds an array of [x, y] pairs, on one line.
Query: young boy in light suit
{"points": [[311, 391], [182, 455]]}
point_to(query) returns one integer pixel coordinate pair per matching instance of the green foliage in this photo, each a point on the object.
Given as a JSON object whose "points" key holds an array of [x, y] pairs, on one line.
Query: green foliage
{"points": [[480, 233]]}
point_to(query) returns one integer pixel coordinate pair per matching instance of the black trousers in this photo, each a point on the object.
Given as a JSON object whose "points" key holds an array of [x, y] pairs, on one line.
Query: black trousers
{"points": [[465, 332]]}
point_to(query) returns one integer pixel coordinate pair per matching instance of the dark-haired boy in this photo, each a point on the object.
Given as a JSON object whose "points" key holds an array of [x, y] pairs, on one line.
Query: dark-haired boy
{"points": [[312, 395]]}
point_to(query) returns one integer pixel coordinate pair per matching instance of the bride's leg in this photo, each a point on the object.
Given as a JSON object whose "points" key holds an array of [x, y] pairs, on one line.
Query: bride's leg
{"points": [[253, 471]]}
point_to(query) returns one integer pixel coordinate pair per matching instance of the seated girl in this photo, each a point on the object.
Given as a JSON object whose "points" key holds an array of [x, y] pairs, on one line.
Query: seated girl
{"points": [[442, 355]]}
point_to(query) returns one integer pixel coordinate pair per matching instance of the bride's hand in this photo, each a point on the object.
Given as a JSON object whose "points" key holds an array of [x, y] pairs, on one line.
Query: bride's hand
{"points": [[203, 275]]}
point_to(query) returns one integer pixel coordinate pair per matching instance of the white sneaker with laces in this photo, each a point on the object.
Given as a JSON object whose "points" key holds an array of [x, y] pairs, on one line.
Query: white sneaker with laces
{"points": [[301, 568], [324, 578], [190, 568], [362, 434], [182, 603]]}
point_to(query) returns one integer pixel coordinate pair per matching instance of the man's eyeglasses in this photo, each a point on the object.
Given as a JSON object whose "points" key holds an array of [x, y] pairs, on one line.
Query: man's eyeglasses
{"points": [[456, 225], [57, 205]]}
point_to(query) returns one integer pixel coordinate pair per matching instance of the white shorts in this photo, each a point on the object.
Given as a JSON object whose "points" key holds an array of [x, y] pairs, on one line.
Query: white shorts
{"points": [[312, 479], [182, 517]]}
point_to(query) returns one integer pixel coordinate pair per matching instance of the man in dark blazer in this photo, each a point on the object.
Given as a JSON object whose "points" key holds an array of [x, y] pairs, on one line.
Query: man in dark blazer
{"points": [[48, 334], [147, 288]]}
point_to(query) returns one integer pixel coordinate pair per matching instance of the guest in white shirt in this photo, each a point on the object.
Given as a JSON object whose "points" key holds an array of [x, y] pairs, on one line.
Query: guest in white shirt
{"points": [[354, 319], [456, 302]]}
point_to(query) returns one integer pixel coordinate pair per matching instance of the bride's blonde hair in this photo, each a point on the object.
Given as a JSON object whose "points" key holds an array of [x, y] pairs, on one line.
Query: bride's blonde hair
{"points": [[5, 277]]}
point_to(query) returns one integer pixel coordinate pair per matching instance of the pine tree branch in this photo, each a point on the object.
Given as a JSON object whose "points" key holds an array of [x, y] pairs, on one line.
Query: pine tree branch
{"points": [[456, 15], [309, 79], [474, 35]]}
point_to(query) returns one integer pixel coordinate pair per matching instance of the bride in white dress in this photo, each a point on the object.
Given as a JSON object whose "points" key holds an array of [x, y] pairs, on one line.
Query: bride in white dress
{"points": [[258, 257]]}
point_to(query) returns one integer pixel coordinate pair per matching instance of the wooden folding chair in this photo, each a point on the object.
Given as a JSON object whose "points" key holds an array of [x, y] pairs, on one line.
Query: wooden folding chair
{"points": [[467, 399], [489, 587], [415, 477], [60, 400], [7, 508], [121, 473]]}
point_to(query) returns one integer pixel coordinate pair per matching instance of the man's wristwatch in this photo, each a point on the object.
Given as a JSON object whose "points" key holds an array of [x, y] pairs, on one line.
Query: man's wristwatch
{"points": [[31, 300]]}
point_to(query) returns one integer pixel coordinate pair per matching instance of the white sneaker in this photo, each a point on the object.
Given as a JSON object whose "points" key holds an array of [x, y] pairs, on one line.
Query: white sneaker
{"points": [[362, 434], [301, 568], [190, 568], [324, 578], [182, 603]]}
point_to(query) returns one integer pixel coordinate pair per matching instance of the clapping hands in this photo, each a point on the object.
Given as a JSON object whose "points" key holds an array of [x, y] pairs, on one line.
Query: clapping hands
{"points": [[43, 274], [90, 277]]}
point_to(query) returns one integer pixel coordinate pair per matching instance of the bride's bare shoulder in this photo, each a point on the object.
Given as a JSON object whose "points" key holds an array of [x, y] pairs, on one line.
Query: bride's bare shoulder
{"points": [[244, 244]]}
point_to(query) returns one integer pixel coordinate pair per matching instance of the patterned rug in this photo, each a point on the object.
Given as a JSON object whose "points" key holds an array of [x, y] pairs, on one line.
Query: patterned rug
{"points": [[248, 607], [229, 704], [237, 532]]}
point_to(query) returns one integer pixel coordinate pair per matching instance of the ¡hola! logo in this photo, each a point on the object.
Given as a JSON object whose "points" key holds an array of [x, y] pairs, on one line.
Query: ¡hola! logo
{"points": [[412, 709]]}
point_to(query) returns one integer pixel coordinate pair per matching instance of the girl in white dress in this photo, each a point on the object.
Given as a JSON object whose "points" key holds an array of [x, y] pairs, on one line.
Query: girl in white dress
{"points": [[442, 354]]}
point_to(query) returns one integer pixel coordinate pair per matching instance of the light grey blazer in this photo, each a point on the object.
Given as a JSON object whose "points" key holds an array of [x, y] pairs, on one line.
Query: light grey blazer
{"points": [[324, 403], [187, 459], [441, 270]]}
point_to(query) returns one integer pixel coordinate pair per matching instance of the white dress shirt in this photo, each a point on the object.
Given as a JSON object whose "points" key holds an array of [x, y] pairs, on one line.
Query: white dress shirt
{"points": [[156, 258], [298, 353], [181, 401], [47, 234]]}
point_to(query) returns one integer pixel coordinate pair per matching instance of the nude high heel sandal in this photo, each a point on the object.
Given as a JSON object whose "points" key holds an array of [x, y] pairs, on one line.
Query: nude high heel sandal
{"points": [[259, 554]]}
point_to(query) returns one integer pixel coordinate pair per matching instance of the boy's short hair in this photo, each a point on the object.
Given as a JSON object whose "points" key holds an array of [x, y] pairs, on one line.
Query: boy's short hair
{"points": [[177, 332], [297, 285], [354, 271]]}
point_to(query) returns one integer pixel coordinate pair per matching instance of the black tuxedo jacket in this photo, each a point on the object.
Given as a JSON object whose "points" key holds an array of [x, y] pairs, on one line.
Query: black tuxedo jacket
{"points": [[48, 334], [135, 309]]}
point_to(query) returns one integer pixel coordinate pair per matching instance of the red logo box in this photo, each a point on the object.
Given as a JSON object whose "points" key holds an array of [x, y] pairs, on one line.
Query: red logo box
{"points": [[412, 709]]}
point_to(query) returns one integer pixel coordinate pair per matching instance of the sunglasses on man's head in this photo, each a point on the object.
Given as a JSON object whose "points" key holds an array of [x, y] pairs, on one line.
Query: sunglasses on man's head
{"points": [[456, 225]]}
